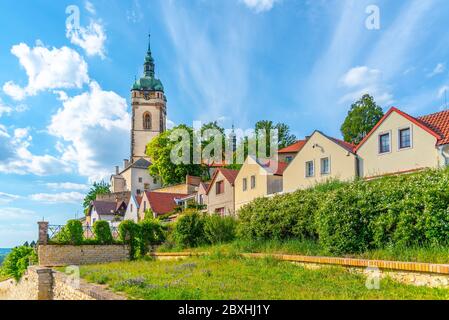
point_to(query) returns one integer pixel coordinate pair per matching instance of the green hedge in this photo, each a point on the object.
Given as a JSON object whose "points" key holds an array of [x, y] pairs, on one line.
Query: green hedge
{"points": [[71, 233], [18, 260], [102, 231], [406, 210]]}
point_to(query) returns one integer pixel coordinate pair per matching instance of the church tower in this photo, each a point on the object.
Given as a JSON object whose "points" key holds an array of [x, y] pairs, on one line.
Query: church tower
{"points": [[149, 109]]}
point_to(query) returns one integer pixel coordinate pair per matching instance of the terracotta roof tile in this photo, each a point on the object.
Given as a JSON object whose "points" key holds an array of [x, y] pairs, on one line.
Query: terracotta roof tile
{"points": [[229, 175], [279, 165], [162, 203], [439, 123], [295, 147]]}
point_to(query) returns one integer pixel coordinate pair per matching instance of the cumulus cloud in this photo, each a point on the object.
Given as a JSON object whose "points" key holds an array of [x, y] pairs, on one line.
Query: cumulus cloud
{"points": [[91, 38], [64, 197], [47, 69], [15, 156], [94, 130], [363, 80], [260, 5], [90, 7], [67, 186]]}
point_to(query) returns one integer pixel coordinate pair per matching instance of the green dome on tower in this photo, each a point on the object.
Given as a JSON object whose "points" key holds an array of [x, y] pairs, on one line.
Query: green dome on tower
{"points": [[148, 81]]}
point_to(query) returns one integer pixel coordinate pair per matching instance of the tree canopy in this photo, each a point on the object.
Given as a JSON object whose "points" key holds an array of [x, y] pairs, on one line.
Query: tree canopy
{"points": [[361, 118], [98, 188]]}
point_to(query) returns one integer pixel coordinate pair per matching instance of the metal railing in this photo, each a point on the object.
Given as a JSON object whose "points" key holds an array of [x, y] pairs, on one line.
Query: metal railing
{"points": [[88, 231]]}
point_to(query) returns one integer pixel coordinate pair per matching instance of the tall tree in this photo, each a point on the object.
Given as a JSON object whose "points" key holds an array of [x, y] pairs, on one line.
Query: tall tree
{"points": [[285, 138], [159, 150], [98, 188], [361, 118]]}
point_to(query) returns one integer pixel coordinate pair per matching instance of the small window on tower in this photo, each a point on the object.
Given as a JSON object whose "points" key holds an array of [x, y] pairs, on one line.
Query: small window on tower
{"points": [[147, 121]]}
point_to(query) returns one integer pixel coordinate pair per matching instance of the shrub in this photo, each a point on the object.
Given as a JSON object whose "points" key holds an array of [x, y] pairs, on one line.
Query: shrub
{"points": [[219, 229], [130, 234], [102, 232], [71, 233], [151, 233], [189, 230], [18, 260], [405, 210]]}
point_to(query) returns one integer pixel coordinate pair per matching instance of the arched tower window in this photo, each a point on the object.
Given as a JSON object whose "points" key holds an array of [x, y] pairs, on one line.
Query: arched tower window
{"points": [[147, 121]]}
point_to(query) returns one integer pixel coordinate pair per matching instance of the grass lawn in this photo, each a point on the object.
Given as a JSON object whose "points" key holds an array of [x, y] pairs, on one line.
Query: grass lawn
{"points": [[232, 278], [298, 247]]}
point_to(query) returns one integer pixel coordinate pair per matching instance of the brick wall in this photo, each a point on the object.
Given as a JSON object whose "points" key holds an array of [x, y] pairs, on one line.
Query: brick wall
{"points": [[63, 255], [40, 283]]}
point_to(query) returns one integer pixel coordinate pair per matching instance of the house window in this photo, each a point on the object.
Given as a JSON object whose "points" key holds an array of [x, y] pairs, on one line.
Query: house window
{"points": [[219, 187], [245, 184], [253, 182], [384, 143], [310, 170], [138, 191], [147, 121], [220, 211], [405, 140], [146, 186], [131, 207], [144, 206], [325, 166], [288, 159], [140, 180], [155, 180]]}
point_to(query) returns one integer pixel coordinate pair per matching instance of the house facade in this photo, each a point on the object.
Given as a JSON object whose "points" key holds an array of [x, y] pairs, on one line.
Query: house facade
{"points": [[159, 203], [288, 153], [220, 192], [258, 178], [401, 143], [321, 158]]}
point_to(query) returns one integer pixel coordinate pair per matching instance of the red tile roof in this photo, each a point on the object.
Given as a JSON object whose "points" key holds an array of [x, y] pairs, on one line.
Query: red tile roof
{"points": [[348, 146], [436, 124], [229, 174], [162, 203], [295, 147], [439, 123], [193, 180], [280, 166]]}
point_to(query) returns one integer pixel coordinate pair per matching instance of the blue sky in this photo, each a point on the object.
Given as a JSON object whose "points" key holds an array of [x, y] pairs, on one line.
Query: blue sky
{"points": [[64, 92]]}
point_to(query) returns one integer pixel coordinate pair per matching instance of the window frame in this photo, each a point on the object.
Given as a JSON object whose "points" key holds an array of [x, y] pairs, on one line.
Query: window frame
{"points": [[379, 143], [328, 166], [313, 169], [218, 189], [245, 184], [253, 182], [399, 137], [146, 116]]}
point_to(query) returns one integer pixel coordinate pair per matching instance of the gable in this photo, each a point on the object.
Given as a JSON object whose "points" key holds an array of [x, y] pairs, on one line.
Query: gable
{"points": [[393, 119]]}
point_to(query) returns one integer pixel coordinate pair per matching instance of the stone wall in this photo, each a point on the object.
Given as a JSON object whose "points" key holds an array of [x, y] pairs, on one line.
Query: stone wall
{"points": [[64, 255], [46, 284]]}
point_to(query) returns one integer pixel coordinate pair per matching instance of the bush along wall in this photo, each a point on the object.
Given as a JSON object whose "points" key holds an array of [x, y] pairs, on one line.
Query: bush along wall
{"points": [[404, 210]]}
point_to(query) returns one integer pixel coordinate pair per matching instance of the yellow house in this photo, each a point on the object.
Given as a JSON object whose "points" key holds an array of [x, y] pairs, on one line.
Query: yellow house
{"points": [[220, 192], [258, 178], [400, 143], [320, 159]]}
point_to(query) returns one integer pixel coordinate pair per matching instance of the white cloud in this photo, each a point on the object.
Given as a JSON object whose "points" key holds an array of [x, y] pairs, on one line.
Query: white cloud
{"points": [[7, 197], [362, 80], [68, 186], [64, 197], [4, 109], [442, 91], [135, 14], [91, 38], [94, 128], [16, 158], [90, 7], [439, 68], [16, 214], [260, 5], [47, 69]]}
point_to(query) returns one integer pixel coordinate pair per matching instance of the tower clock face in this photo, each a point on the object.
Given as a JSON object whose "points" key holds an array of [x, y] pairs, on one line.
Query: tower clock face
{"points": [[146, 95]]}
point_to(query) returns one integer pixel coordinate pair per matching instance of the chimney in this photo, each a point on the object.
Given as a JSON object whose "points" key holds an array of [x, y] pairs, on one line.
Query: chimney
{"points": [[125, 163], [117, 170]]}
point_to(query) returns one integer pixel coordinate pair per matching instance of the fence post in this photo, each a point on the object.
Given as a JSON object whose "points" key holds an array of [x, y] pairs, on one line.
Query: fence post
{"points": [[43, 232]]}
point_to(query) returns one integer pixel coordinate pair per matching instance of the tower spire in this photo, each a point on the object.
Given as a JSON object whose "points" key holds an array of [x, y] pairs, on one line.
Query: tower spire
{"points": [[149, 61]]}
